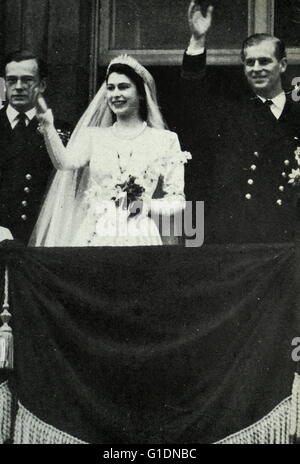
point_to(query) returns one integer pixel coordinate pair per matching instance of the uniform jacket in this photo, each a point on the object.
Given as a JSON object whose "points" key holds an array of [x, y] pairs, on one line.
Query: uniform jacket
{"points": [[25, 170], [242, 158]]}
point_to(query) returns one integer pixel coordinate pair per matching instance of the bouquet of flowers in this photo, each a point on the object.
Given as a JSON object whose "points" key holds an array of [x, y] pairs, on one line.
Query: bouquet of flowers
{"points": [[133, 193]]}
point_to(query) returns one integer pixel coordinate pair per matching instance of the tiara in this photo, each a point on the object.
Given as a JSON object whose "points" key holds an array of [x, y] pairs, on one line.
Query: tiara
{"points": [[135, 65]]}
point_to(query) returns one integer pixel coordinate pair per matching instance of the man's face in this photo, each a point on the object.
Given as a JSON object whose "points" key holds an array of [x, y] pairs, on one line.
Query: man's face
{"points": [[21, 78], [263, 70]]}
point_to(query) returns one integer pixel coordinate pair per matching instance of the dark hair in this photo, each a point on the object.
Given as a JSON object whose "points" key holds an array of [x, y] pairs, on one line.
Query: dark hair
{"points": [[120, 68], [257, 39], [23, 55]]}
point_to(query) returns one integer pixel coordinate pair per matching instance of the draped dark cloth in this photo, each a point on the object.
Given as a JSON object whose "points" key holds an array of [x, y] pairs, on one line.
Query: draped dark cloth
{"points": [[154, 344]]}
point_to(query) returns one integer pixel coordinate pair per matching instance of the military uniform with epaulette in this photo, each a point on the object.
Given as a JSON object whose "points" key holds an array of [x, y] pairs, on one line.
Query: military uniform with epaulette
{"points": [[25, 171], [243, 156]]}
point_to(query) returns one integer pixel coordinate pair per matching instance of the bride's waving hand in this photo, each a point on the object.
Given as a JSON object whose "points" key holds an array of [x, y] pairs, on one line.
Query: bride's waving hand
{"points": [[122, 143]]}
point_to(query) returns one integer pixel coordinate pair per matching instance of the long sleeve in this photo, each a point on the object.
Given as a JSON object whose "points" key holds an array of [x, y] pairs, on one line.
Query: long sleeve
{"points": [[74, 156], [193, 66], [198, 126], [173, 179]]}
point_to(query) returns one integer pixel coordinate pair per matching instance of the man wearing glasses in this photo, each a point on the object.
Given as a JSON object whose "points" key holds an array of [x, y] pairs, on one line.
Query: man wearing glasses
{"points": [[25, 166]]}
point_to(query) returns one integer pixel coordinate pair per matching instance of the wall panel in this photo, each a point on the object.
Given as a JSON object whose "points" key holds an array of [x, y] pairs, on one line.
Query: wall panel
{"points": [[13, 24], [35, 17], [63, 34], [59, 31]]}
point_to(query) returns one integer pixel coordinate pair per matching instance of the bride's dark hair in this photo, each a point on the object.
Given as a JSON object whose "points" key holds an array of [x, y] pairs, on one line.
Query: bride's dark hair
{"points": [[121, 68], [56, 224]]}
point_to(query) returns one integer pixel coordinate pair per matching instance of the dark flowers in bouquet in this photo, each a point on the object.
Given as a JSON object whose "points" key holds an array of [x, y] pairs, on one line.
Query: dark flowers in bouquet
{"points": [[133, 199]]}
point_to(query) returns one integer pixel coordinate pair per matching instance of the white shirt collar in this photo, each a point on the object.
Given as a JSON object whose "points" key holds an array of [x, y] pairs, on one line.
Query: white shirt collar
{"points": [[12, 114], [278, 103]]}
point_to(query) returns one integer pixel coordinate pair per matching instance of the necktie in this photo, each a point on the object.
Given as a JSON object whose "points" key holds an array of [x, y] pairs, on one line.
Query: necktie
{"points": [[267, 106], [268, 103], [21, 124]]}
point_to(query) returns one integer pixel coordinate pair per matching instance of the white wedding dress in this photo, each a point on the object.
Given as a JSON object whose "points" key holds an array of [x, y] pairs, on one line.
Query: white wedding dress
{"points": [[109, 160]]}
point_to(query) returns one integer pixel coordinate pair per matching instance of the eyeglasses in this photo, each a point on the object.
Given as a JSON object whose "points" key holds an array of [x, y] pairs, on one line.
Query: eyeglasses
{"points": [[12, 81]]}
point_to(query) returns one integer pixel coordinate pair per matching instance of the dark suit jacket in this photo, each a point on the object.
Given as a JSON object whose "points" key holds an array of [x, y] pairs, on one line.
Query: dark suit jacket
{"points": [[242, 156], [25, 170]]}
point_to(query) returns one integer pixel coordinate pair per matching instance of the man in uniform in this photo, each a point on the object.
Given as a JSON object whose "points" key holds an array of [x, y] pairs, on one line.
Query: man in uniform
{"points": [[243, 146], [25, 166]]}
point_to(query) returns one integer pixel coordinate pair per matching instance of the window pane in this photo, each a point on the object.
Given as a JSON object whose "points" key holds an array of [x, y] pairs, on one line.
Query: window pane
{"points": [[287, 21], [162, 24]]}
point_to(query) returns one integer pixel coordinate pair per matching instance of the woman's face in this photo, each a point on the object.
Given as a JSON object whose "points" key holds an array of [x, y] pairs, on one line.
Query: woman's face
{"points": [[122, 95]]}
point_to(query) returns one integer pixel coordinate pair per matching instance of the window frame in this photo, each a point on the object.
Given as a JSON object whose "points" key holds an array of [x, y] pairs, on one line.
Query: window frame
{"points": [[162, 57], [260, 19]]}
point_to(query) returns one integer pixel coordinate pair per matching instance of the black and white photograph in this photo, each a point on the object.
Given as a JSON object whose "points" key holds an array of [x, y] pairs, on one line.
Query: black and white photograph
{"points": [[149, 224]]}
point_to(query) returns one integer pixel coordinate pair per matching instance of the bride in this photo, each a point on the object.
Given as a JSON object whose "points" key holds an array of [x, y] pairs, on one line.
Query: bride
{"points": [[102, 193]]}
